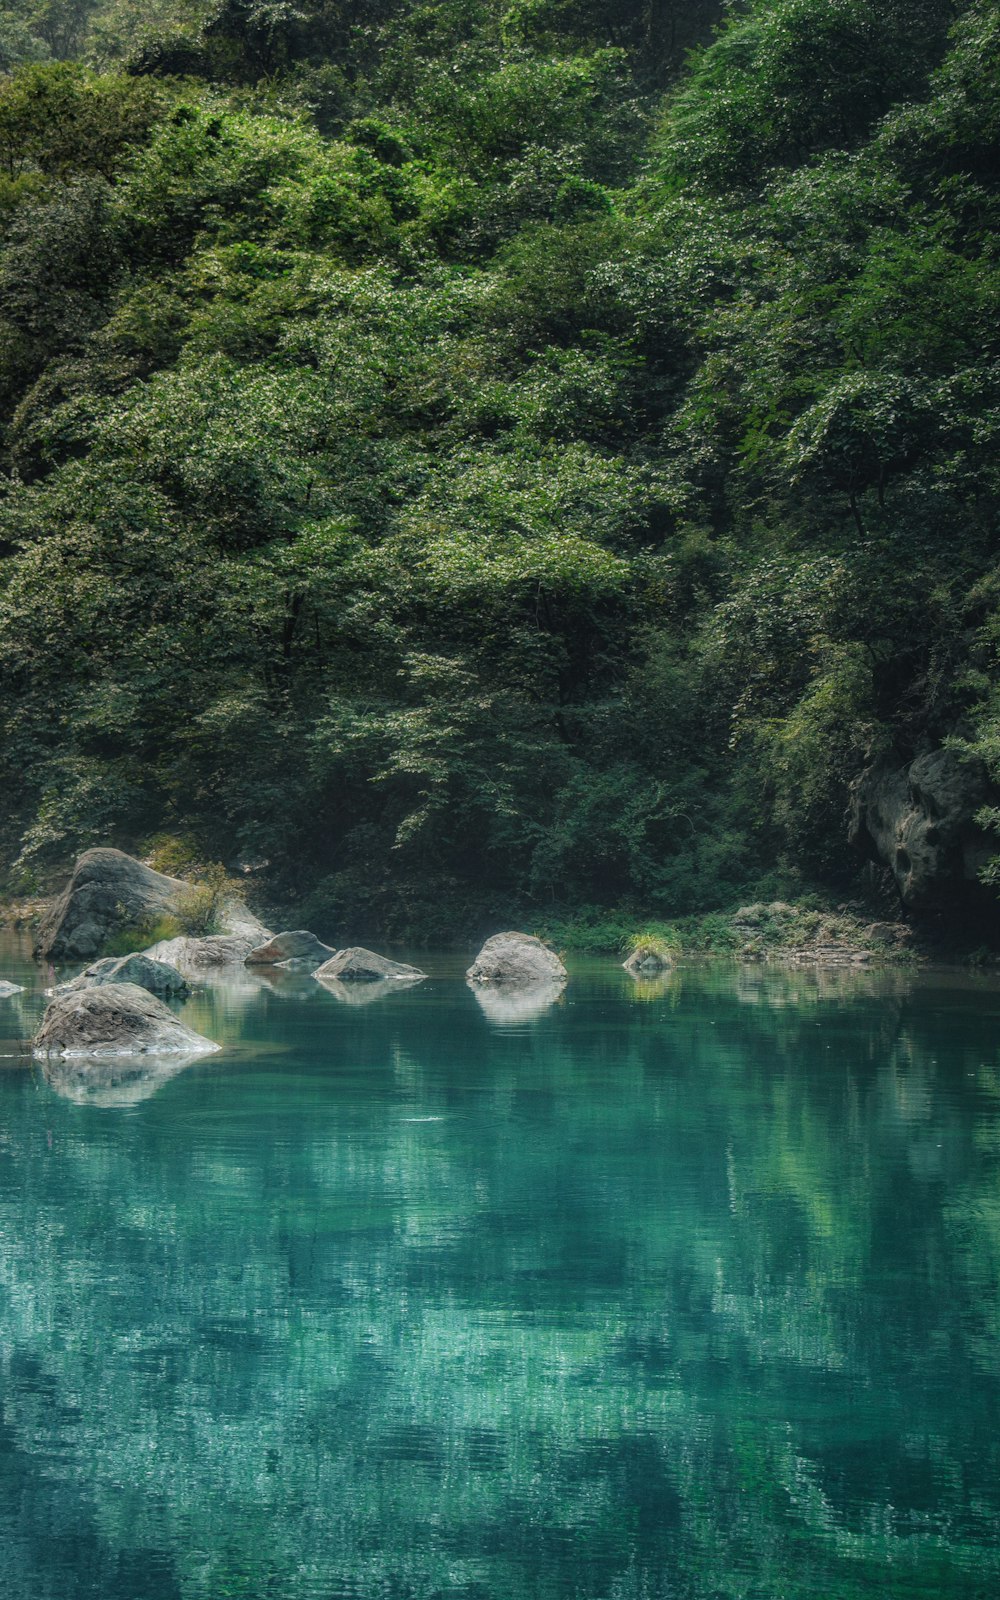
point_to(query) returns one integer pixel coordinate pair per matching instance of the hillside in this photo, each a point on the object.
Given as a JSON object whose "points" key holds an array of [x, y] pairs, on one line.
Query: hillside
{"points": [[504, 455]]}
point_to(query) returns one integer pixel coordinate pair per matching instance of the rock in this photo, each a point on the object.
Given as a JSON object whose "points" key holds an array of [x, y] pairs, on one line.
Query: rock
{"points": [[108, 891], [646, 961], [155, 976], [920, 820], [115, 1019], [834, 954], [357, 965], [194, 956], [892, 934], [7, 989], [517, 960], [301, 947], [238, 922], [508, 1005]]}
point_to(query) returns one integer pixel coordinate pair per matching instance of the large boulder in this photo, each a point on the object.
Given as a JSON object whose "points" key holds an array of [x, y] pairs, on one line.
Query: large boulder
{"points": [[115, 1019], [7, 989], [920, 820], [516, 960], [108, 891], [300, 947], [357, 965], [158, 977]]}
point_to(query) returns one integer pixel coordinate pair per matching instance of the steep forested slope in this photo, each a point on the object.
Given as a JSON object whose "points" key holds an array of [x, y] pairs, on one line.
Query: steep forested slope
{"points": [[465, 457]]}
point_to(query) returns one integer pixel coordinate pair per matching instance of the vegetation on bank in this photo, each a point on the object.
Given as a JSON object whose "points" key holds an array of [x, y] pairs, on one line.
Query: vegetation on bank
{"points": [[470, 460], [810, 929]]}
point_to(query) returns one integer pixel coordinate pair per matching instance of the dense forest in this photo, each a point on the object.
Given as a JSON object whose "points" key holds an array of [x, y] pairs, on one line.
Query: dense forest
{"points": [[499, 455]]}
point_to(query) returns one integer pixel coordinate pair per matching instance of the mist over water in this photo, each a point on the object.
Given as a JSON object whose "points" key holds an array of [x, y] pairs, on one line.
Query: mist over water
{"points": [[673, 1290]]}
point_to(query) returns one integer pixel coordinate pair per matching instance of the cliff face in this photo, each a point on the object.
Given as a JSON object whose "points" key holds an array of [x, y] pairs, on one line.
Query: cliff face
{"points": [[920, 820]]}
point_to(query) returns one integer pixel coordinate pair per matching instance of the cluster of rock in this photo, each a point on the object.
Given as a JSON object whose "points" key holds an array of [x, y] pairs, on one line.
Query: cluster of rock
{"points": [[117, 1006]]}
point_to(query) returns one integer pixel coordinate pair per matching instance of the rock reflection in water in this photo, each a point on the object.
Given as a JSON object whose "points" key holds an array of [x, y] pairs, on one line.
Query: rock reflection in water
{"points": [[113, 1081], [645, 988], [364, 994], [506, 1006]]}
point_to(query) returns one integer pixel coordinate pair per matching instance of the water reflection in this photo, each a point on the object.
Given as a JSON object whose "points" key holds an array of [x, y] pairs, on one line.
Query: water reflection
{"points": [[692, 1298], [365, 993], [113, 1081], [507, 1007]]}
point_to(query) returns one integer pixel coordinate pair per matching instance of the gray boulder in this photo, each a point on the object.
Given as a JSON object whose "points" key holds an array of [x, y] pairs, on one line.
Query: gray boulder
{"points": [[920, 820], [357, 965], [115, 1019], [516, 960], [155, 976], [108, 891], [193, 957], [7, 989], [300, 947]]}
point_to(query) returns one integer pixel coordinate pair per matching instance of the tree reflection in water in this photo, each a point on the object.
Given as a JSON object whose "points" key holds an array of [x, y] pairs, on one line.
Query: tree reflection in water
{"points": [[692, 1297]]}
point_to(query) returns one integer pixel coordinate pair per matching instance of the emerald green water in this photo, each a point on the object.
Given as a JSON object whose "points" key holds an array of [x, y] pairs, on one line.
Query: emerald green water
{"points": [[684, 1294]]}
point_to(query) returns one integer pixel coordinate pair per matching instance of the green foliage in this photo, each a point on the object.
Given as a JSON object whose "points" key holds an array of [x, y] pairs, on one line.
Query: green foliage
{"points": [[142, 935], [416, 483]]}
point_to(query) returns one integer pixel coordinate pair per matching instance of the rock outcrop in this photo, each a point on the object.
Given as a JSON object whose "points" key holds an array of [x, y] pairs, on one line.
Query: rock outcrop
{"points": [[516, 960], [920, 820], [158, 977], [301, 947], [108, 891], [115, 1019], [7, 989], [357, 965]]}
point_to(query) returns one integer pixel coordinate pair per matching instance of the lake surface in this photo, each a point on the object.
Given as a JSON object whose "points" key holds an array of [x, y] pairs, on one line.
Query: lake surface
{"points": [[685, 1292]]}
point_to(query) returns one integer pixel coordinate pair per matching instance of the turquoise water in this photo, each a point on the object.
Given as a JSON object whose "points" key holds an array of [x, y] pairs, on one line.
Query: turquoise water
{"points": [[684, 1293]]}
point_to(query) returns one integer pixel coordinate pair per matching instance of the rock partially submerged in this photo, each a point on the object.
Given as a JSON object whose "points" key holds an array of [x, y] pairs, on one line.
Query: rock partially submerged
{"points": [[516, 960], [7, 989], [193, 956], [109, 891], [158, 977], [648, 961], [115, 1019], [357, 965], [301, 947]]}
